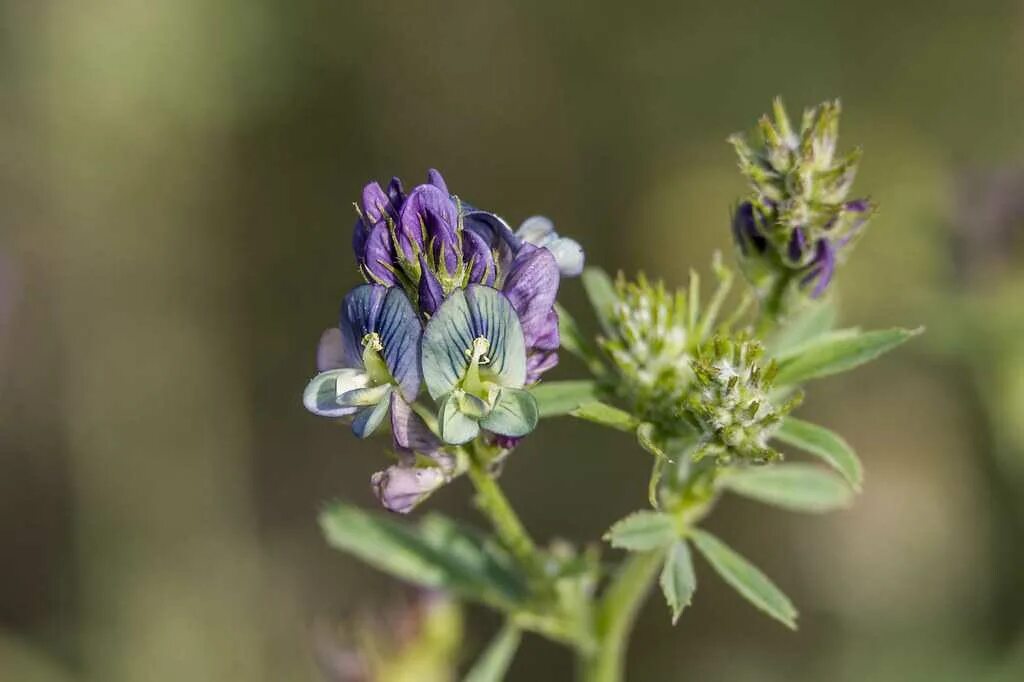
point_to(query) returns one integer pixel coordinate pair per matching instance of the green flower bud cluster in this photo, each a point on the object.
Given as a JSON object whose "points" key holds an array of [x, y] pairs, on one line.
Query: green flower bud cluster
{"points": [[651, 346], [731, 401], [652, 336]]}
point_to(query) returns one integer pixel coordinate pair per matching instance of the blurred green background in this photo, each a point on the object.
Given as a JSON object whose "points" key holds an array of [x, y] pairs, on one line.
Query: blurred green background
{"points": [[175, 187]]}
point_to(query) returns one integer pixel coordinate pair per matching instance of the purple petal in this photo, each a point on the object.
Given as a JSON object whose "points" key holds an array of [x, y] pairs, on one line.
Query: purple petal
{"points": [[378, 254], [377, 205], [359, 312], [429, 210], [395, 193], [857, 206], [797, 243], [822, 268], [495, 232], [531, 287], [409, 431], [360, 233], [401, 488], [330, 353], [745, 232], [434, 178], [548, 338], [506, 442], [539, 362], [476, 252], [400, 332], [431, 295]]}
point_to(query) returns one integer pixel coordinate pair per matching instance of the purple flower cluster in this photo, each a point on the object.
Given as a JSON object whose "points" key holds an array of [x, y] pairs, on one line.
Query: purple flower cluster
{"points": [[415, 251], [431, 243]]}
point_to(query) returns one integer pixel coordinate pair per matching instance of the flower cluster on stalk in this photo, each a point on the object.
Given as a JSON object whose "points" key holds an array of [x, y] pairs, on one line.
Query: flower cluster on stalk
{"points": [[732, 402], [797, 224], [456, 303], [681, 370]]}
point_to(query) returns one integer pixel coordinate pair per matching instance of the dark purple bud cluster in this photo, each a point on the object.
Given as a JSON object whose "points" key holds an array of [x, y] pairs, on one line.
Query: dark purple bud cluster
{"points": [[797, 224]]}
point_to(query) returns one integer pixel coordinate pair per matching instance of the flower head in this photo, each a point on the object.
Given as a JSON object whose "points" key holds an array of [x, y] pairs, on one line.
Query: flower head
{"points": [[652, 335], [650, 346], [432, 244], [798, 221], [731, 401], [486, 296]]}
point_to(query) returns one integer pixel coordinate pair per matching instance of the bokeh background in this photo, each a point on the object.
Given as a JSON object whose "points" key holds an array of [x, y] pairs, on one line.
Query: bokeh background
{"points": [[176, 179]]}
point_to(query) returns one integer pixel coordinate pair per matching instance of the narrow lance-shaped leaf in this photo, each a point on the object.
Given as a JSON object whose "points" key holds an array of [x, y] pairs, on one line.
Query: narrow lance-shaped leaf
{"points": [[838, 352], [494, 662], [606, 415], [643, 531], [601, 292], [557, 398], [451, 560], [745, 578], [573, 340], [678, 581], [823, 443], [797, 487]]}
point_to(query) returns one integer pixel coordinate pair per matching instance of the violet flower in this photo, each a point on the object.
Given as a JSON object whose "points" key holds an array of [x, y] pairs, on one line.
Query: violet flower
{"points": [[370, 360], [432, 244]]}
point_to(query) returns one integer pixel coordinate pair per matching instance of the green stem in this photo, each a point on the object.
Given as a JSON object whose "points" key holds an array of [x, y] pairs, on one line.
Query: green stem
{"points": [[616, 614], [772, 308], [493, 504]]}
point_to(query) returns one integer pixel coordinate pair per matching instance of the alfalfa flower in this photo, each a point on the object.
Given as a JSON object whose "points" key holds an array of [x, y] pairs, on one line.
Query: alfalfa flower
{"points": [[371, 360], [474, 366], [798, 222]]}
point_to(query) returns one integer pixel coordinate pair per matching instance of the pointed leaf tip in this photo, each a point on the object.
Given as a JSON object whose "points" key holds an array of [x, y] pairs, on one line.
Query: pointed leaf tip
{"points": [[643, 531], [745, 578], [678, 581]]}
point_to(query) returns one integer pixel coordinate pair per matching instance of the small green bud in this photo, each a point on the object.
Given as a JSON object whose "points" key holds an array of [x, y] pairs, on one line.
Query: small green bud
{"points": [[730, 401]]}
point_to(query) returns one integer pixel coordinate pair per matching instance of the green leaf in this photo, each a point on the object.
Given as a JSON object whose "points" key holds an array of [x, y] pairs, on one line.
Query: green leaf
{"points": [[745, 578], [556, 398], [829, 446], [494, 663], [601, 292], [797, 487], [678, 581], [573, 340], [438, 554], [838, 352], [643, 531], [606, 415], [515, 413]]}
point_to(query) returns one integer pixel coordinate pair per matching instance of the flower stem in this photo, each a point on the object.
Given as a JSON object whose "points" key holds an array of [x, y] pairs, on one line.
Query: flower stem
{"points": [[493, 504], [616, 614]]}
